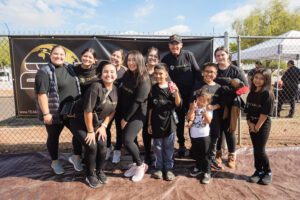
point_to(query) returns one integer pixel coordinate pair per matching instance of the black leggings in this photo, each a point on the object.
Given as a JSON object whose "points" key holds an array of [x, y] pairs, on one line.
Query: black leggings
{"points": [[130, 133], [230, 137], [94, 154], [118, 144], [200, 148], [146, 138], [259, 141], [53, 132]]}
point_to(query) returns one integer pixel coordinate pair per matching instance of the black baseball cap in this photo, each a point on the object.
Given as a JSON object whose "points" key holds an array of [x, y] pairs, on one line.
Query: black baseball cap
{"points": [[175, 38]]}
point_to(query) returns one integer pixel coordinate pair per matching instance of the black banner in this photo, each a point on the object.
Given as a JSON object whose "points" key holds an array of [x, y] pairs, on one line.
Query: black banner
{"points": [[29, 53]]}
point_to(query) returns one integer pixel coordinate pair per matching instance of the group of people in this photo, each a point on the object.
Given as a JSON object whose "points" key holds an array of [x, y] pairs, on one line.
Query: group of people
{"points": [[157, 98]]}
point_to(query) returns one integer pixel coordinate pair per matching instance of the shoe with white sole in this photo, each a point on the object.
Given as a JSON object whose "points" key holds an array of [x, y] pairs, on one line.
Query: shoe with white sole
{"points": [[131, 171], [140, 172], [76, 163]]}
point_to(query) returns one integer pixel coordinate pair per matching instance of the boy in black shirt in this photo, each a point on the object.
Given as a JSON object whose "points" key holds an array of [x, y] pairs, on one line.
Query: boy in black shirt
{"points": [[164, 99]]}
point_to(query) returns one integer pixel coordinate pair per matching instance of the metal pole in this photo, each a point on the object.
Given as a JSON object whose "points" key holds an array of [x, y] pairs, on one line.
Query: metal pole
{"points": [[277, 89], [226, 40], [239, 65]]}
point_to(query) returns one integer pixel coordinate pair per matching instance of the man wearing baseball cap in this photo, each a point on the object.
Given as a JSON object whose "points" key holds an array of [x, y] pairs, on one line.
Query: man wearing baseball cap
{"points": [[184, 71]]}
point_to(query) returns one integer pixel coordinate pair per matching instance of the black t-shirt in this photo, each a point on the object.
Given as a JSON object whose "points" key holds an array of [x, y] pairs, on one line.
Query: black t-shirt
{"points": [[183, 70], [162, 102], [99, 100], [66, 84], [258, 103], [120, 75], [132, 96], [215, 90]]}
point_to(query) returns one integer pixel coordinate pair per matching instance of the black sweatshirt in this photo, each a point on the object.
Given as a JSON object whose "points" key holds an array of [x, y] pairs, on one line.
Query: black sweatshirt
{"points": [[183, 70], [133, 96]]}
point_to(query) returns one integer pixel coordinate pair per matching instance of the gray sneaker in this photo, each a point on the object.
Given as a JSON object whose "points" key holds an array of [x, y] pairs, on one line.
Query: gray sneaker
{"points": [[93, 181], [157, 174], [76, 163], [101, 176], [206, 178], [170, 176], [57, 168]]}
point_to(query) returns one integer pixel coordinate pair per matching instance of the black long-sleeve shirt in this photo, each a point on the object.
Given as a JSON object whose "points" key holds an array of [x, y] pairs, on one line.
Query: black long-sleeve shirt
{"points": [[183, 70], [291, 79], [133, 97]]}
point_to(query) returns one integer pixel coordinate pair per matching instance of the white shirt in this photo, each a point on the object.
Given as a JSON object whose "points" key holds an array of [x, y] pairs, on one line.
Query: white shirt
{"points": [[199, 127]]}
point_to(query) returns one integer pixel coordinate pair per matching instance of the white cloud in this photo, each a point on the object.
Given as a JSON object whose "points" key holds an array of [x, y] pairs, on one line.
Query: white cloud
{"points": [[226, 18], [41, 14], [131, 32], [144, 10], [180, 29], [180, 17]]}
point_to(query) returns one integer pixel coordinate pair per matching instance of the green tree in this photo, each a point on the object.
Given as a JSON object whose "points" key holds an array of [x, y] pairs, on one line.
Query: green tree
{"points": [[4, 52], [275, 20]]}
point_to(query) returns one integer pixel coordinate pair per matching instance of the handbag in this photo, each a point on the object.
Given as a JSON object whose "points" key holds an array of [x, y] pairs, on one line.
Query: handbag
{"points": [[67, 110]]}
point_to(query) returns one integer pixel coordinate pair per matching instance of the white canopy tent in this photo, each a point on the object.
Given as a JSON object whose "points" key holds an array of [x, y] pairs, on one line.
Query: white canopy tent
{"points": [[286, 47]]}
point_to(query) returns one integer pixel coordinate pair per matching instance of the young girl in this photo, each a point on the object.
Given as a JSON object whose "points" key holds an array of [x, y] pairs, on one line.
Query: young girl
{"points": [[132, 108], [164, 99], [199, 118], [259, 108]]}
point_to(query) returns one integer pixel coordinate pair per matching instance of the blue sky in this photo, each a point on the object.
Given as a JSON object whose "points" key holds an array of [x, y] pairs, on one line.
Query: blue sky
{"points": [[186, 17]]}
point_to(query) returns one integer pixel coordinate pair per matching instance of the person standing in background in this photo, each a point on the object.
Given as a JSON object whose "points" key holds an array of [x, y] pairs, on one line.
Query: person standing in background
{"points": [[184, 71], [290, 82], [117, 59], [152, 58]]}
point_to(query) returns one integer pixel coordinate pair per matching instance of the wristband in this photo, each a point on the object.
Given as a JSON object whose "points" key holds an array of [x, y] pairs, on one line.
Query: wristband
{"points": [[90, 132], [103, 124], [46, 114]]}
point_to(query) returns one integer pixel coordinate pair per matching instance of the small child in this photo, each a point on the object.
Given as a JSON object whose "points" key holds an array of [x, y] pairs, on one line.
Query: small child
{"points": [[259, 109], [164, 98], [199, 118]]}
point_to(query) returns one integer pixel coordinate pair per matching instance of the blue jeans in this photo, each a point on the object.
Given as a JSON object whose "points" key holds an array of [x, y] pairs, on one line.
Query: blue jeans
{"points": [[164, 149]]}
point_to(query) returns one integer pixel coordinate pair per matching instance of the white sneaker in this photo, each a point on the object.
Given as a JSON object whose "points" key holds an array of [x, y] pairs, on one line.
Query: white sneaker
{"points": [[108, 152], [140, 172], [116, 156], [131, 171]]}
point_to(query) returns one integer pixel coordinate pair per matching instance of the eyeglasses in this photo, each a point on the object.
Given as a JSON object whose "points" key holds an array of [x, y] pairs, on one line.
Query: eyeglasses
{"points": [[210, 72]]}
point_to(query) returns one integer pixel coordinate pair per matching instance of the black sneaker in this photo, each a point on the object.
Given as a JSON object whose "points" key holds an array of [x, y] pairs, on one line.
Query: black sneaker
{"points": [[215, 165], [101, 176], [181, 151], [255, 178], [266, 179], [206, 178], [93, 181], [195, 172]]}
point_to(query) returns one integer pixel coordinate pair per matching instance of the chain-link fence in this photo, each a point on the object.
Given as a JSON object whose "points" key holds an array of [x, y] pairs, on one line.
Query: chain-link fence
{"points": [[28, 134]]}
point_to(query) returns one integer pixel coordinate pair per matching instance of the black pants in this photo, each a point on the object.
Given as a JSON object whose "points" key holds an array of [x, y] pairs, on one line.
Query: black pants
{"points": [[230, 137], [133, 127], [147, 137], [94, 154], [181, 117], [200, 148], [259, 141], [118, 144], [53, 132], [214, 133], [290, 97]]}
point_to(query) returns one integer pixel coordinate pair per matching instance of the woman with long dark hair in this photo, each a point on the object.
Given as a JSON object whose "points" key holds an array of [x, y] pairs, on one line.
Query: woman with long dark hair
{"points": [[133, 107]]}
